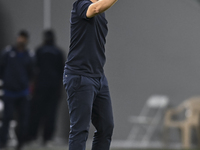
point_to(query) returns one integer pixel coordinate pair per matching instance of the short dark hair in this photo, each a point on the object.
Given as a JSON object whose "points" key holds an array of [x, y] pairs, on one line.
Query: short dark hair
{"points": [[23, 33], [49, 37]]}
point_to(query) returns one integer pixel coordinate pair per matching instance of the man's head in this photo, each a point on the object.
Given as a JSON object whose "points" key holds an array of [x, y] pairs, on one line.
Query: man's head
{"points": [[22, 39], [49, 37]]}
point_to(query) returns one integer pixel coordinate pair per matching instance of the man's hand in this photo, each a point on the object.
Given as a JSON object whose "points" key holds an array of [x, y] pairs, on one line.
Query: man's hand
{"points": [[99, 7]]}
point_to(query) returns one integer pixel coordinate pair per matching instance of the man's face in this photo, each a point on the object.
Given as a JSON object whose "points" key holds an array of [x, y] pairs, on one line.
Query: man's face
{"points": [[22, 42]]}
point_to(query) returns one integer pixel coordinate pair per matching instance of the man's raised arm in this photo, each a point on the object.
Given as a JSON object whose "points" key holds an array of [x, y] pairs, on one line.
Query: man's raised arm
{"points": [[99, 7]]}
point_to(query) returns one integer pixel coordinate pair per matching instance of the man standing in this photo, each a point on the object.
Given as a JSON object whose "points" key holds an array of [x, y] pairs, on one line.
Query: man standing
{"points": [[16, 68], [84, 79], [49, 66]]}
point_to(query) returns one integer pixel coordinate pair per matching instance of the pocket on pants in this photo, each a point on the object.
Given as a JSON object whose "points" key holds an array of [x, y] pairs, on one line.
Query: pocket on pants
{"points": [[72, 82]]}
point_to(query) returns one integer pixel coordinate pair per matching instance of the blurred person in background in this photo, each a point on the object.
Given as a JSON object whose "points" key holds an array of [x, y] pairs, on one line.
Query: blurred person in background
{"points": [[49, 70], [16, 68]]}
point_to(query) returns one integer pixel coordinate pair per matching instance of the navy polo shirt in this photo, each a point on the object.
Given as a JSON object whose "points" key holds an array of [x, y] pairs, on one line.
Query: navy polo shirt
{"points": [[87, 46]]}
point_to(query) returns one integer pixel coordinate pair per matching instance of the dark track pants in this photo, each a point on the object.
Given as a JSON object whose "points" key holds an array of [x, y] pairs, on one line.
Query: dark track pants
{"points": [[89, 100], [20, 104], [43, 112]]}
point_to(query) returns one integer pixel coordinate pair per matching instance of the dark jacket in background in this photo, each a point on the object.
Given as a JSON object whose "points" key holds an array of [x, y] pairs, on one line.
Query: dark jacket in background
{"points": [[50, 65], [16, 69]]}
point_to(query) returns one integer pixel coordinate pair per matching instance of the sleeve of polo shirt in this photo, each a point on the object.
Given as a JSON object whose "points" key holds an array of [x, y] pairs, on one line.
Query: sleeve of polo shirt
{"points": [[82, 8]]}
